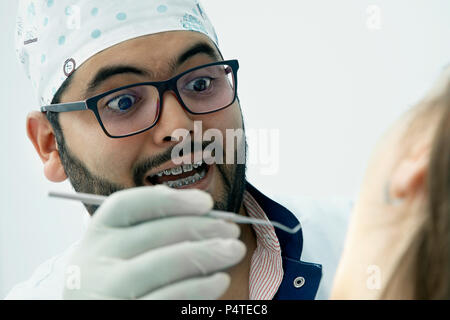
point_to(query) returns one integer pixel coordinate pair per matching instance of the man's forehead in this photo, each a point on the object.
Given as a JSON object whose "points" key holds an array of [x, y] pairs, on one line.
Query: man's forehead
{"points": [[156, 49], [156, 55]]}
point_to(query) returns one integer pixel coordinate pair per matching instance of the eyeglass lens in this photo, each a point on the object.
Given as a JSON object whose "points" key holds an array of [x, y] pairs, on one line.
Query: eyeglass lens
{"points": [[136, 108]]}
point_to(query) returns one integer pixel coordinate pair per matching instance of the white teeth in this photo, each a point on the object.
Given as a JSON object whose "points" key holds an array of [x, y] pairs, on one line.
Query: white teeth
{"points": [[186, 181], [178, 170], [196, 165], [191, 180]]}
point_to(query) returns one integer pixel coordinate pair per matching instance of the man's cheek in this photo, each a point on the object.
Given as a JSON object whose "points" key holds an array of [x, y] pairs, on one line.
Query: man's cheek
{"points": [[109, 166], [229, 118]]}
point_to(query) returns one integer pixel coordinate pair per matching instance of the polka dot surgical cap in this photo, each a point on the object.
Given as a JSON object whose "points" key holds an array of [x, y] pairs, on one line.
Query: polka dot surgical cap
{"points": [[54, 37]]}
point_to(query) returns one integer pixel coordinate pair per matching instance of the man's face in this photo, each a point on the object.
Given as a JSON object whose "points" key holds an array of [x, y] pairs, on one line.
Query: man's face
{"points": [[99, 164]]}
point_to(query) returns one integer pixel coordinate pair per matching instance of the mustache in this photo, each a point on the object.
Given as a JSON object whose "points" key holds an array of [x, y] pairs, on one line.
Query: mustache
{"points": [[144, 166]]}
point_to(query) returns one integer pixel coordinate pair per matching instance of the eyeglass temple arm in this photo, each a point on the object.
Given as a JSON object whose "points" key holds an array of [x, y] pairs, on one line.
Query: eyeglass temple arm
{"points": [[65, 107]]}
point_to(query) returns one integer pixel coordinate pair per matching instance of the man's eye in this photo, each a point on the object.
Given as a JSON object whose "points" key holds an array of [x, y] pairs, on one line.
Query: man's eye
{"points": [[199, 84], [122, 102]]}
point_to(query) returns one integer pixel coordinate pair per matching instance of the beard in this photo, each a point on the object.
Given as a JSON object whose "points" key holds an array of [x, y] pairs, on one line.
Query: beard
{"points": [[231, 176]]}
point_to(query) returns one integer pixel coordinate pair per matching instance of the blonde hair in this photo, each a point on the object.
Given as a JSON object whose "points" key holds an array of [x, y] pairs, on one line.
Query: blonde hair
{"points": [[433, 265], [428, 253]]}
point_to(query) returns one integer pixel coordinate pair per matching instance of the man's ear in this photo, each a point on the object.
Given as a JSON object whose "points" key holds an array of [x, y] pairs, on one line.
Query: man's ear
{"points": [[41, 134], [410, 175]]}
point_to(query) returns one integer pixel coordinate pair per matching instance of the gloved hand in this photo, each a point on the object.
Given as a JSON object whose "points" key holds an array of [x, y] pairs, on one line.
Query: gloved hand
{"points": [[154, 243]]}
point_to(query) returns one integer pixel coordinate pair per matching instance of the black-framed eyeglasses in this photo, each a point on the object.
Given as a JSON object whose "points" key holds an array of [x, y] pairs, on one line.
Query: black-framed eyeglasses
{"points": [[135, 108]]}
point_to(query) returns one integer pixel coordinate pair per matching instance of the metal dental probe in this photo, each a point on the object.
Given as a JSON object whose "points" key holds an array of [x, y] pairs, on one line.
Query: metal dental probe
{"points": [[98, 200]]}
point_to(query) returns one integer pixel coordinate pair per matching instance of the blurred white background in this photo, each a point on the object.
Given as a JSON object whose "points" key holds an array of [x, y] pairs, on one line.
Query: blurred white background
{"points": [[325, 73]]}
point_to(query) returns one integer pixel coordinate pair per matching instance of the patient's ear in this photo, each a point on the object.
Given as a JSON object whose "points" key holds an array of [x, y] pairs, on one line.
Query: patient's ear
{"points": [[41, 134], [410, 175]]}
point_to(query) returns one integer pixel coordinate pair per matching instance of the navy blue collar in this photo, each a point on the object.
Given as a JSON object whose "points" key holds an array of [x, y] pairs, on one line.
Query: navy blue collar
{"points": [[301, 279], [291, 244]]}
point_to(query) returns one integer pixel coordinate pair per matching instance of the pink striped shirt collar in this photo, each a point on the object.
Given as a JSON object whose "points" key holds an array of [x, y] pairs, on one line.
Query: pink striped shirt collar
{"points": [[266, 269]]}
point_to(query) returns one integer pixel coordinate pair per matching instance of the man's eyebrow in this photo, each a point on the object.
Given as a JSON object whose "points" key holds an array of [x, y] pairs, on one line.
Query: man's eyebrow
{"points": [[107, 72], [201, 47]]}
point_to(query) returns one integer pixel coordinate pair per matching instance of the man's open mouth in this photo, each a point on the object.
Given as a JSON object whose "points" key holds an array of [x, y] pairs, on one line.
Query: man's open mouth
{"points": [[183, 175]]}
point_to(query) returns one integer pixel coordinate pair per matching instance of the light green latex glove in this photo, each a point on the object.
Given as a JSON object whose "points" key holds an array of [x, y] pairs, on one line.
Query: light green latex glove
{"points": [[154, 243]]}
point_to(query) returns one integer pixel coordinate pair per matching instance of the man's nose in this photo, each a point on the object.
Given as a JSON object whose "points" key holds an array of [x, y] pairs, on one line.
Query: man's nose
{"points": [[173, 116]]}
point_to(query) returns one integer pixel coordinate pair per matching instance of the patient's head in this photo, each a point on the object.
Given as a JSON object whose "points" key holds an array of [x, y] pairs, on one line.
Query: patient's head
{"points": [[398, 242]]}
